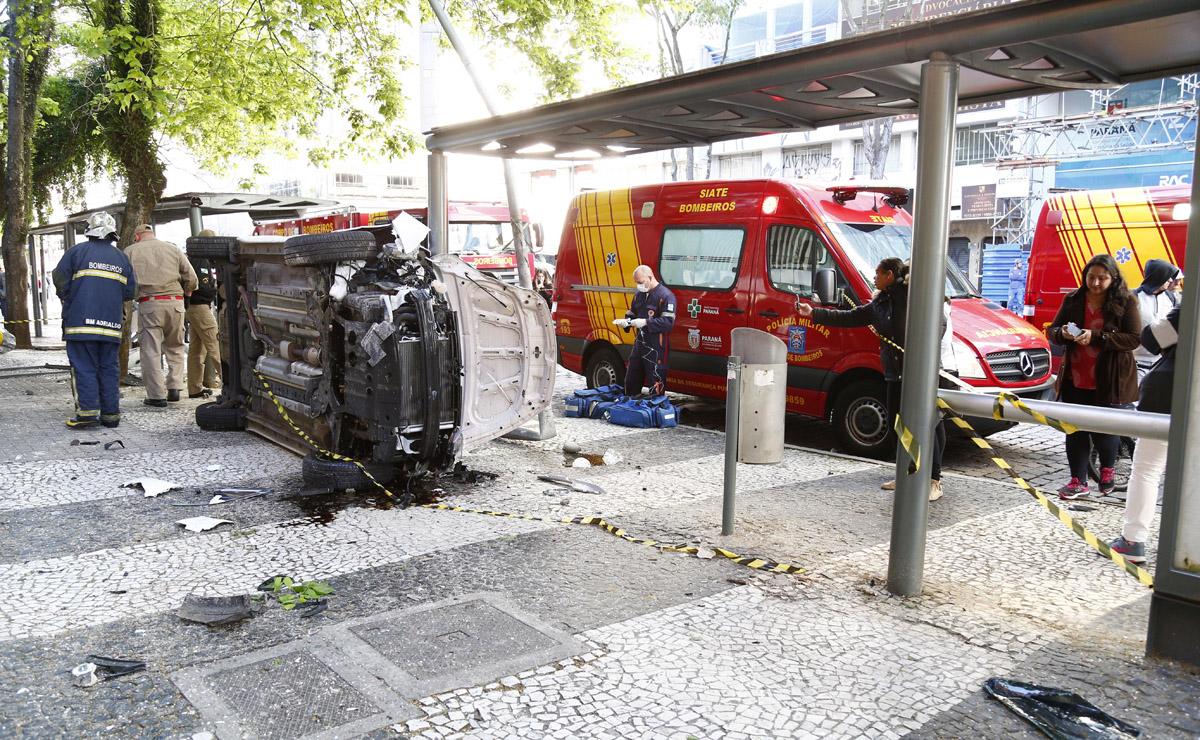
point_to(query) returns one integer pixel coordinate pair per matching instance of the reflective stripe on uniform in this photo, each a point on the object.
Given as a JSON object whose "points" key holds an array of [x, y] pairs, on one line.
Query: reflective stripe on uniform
{"points": [[93, 330], [102, 273]]}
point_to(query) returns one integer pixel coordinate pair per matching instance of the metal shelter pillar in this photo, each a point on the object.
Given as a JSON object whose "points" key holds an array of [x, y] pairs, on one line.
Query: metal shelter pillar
{"points": [[195, 218], [35, 288], [1175, 605], [927, 289], [439, 213]]}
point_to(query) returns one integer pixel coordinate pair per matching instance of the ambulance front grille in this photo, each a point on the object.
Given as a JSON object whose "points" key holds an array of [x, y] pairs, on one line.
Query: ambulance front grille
{"points": [[1007, 365]]}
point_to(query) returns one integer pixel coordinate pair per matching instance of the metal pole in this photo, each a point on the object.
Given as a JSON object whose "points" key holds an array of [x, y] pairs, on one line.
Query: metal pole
{"points": [[524, 274], [1124, 422], [195, 218], [439, 213], [927, 287], [35, 289], [1175, 604], [733, 400], [45, 288]]}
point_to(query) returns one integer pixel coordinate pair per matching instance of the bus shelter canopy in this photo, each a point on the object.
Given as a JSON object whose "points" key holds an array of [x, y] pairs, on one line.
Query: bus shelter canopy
{"points": [[1011, 51], [178, 207]]}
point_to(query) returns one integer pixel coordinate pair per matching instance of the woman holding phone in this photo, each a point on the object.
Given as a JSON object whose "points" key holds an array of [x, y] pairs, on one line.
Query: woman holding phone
{"points": [[1099, 326]]}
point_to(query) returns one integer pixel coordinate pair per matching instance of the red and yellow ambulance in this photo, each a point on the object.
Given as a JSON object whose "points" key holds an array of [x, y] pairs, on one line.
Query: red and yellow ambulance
{"points": [[1132, 224], [739, 253]]}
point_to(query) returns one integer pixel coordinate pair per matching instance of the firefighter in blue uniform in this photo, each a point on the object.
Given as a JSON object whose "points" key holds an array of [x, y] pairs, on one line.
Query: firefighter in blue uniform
{"points": [[652, 315], [94, 279]]}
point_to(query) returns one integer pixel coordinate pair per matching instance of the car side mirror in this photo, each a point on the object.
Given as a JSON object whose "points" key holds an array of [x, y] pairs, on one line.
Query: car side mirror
{"points": [[825, 284]]}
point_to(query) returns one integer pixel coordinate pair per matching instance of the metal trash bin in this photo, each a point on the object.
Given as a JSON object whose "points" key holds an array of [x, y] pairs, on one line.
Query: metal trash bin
{"points": [[763, 395]]}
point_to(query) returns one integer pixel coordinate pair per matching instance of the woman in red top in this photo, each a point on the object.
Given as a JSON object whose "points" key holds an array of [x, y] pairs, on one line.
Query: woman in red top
{"points": [[1100, 327]]}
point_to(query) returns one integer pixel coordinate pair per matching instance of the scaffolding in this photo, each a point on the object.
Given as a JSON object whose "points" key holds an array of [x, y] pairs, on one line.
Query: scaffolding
{"points": [[1034, 144]]}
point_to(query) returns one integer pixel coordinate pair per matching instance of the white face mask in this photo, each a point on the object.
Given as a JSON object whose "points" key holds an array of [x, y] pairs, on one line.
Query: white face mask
{"points": [[643, 287]]}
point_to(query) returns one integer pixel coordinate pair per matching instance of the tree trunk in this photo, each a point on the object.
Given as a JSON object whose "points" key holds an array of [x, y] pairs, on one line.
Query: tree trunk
{"points": [[27, 59], [130, 133], [877, 140]]}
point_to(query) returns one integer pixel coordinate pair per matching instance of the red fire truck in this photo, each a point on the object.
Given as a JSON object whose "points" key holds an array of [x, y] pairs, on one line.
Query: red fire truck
{"points": [[480, 233]]}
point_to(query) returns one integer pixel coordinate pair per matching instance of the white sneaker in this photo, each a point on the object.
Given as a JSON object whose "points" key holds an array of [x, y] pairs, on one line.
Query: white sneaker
{"points": [[935, 490], [889, 486]]}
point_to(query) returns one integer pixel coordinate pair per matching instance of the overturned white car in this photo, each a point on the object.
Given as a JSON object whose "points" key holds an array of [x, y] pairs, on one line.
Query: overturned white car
{"points": [[376, 352]]}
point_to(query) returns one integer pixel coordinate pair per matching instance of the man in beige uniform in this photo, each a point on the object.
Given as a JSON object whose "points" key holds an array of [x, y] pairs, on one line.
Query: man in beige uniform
{"points": [[164, 277]]}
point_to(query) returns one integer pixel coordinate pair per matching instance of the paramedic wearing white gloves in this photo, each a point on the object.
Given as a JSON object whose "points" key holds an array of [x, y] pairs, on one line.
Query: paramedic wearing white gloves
{"points": [[652, 315]]}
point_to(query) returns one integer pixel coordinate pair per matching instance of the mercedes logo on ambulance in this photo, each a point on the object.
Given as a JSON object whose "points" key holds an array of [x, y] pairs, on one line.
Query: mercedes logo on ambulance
{"points": [[1026, 365]]}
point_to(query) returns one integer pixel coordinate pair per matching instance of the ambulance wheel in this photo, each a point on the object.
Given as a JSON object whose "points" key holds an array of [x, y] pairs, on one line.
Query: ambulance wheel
{"points": [[212, 417], [334, 246], [341, 475], [860, 421], [604, 368]]}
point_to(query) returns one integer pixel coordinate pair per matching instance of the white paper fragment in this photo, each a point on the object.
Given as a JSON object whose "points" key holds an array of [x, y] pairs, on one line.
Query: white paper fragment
{"points": [[731, 375], [612, 457], [218, 499], [201, 523], [581, 462], [409, 232], [764, 377], [704, 553], [212, 468], [151, 486]]}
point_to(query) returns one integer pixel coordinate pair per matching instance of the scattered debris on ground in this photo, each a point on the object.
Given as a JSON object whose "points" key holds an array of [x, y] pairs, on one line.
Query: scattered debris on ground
{"points": [[1061, 715], [201, 523], [151, 486]]}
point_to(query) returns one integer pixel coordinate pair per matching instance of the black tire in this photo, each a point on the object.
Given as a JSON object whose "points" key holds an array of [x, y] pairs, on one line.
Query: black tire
{"points": [[604, 367], [861, 423], [212, 247], [212, 417], [340, 475], [335, 246], [1124, 464]]}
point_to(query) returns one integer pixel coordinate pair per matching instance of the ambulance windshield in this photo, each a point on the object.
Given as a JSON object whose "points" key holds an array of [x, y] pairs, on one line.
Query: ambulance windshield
{"points": [[869, 244]]}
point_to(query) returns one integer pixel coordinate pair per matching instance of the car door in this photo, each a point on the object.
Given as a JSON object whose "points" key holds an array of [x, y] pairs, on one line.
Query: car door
{"points": [[787, 269], [703, 267]]}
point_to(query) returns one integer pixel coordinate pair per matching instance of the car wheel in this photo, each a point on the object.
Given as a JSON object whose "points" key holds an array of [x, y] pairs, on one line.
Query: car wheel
{"points": [[605, 368], [212, 417], [861, 423], [212, 247], [335, 246], [1124, 464], [341, 475]]}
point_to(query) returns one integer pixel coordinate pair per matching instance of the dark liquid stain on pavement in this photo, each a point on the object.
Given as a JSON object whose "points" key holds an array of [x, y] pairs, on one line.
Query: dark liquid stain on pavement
{"points": [[320, 509]]}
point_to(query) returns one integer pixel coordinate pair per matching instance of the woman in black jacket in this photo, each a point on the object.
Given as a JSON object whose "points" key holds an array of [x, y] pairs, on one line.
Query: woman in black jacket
{"points": [[888, 313], [1099, 325]]}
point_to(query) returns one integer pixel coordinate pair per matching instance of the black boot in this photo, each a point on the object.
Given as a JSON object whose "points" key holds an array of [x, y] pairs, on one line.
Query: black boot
{"points": [[156, 402], [173, 395]]}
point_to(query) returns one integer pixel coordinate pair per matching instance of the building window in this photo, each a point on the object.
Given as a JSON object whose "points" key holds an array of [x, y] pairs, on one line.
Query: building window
{"points": [[348, 179], [863, 167], [705, 258], [741, 166], [976, 145], [400, 181], [285, 187]]}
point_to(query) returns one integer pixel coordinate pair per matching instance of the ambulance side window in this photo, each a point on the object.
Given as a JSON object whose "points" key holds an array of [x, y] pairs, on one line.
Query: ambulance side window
{"points": [[706, 258], [794, 254]]}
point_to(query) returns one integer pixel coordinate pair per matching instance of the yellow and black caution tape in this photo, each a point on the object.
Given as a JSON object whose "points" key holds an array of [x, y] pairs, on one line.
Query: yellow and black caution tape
{"points": [[25, 321], [910, 445], [1015, 400], [748, 561], [1099, 545], [1132, 568]]}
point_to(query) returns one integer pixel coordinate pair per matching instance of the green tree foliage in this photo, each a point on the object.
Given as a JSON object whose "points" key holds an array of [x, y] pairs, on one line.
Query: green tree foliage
{"points": [[556, 37]]}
